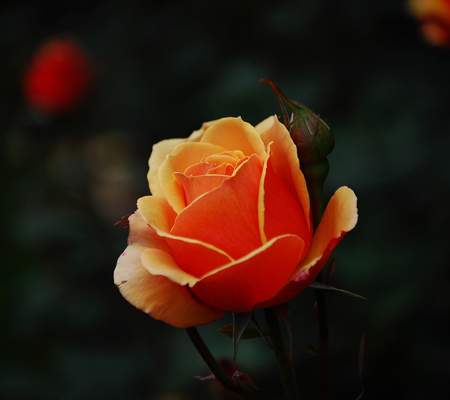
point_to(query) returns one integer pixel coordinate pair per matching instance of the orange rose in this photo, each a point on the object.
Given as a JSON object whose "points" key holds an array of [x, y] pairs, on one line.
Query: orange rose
{"points": [[228, 227], [434, 16]]}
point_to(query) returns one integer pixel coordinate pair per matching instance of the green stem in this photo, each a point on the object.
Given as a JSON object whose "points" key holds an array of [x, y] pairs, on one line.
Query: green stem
{"points": [[315, 175], [323, 338], [214, 366], [284, 363]]}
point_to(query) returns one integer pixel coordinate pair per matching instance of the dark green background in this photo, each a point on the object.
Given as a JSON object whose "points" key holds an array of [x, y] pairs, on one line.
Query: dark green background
{"points": [[161, 70]]}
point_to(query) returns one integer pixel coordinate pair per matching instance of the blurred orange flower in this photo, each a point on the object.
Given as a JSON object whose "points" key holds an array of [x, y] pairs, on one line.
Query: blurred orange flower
{"points": [[434, 17], [58, 77], [228, 228]]}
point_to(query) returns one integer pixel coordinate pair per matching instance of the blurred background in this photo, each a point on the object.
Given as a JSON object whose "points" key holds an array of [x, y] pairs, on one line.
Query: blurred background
{"points": [[73, 163]]}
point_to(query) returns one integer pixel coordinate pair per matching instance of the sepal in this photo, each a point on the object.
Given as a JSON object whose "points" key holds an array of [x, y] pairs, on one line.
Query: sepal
{"points": [[320, 286]]}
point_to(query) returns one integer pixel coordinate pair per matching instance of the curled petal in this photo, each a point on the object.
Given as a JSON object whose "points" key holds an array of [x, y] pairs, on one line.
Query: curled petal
{"points": [[183, 156], [280, 212], [194, 256], [340, 217], [156, 295], [242, 284], [159, 153], [162, 149], [160, 263], [235, 134], [157, 212], [141, 235], [285, 162]]}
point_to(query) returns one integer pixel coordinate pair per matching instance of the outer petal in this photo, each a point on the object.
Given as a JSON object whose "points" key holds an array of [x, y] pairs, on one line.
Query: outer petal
{"points": [[157, 212], [227, 217], [235, 134], [340, 217], [159, 153], [259, 276], [280, 212], [192, 255], [285, 161], [156, 295], [182, 157], [159, 262], [141, 235]]}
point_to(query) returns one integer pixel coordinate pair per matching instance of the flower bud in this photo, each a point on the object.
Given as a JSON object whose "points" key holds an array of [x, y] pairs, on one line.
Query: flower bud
{"points": [[314, 141], [309, 132]]}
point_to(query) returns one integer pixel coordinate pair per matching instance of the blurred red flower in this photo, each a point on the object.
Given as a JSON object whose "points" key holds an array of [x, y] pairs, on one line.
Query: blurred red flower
{"points": [[434, 17], [58, 77]]}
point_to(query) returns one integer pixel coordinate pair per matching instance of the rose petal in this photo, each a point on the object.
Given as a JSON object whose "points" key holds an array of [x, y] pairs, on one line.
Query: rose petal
{"points": [[156, 295], [159, 262], [159, 153], [340, 217], [228, 157], [193, 256], [227, 217], [259, 276], [142, 235], [224, 169], [157, 212], [201, 168], [235, 134], [280, 211], [183, 156], [196, 186], [285, 161], [163, 149]]}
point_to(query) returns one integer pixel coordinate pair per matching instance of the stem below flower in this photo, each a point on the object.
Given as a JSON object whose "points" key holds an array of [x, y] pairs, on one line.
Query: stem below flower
{"points": [[214, 366], [284, 363], [315, 175], [323, 338]]}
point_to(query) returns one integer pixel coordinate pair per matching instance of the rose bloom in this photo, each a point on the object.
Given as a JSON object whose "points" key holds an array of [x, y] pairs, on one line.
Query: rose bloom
{"points": [[228, 228], [434, 16], [58, 77]]}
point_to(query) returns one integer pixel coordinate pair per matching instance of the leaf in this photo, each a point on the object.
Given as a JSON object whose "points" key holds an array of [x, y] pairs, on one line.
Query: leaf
{"points": [[250, 332], [320, 286], [240, 323]]}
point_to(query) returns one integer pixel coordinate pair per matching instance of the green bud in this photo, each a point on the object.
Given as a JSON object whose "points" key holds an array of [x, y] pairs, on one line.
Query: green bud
{"points": [[310, 133]]}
